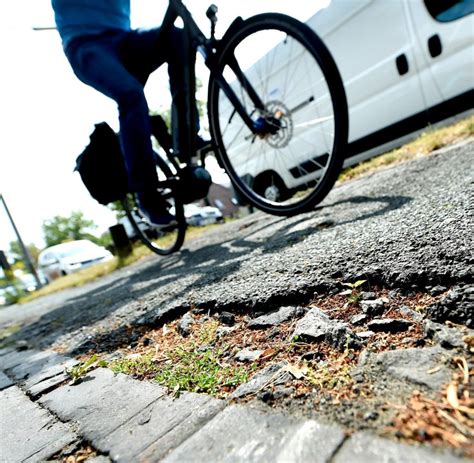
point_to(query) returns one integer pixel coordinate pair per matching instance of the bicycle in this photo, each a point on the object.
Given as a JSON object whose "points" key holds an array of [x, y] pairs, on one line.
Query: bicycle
{"points": [[281, 142]]}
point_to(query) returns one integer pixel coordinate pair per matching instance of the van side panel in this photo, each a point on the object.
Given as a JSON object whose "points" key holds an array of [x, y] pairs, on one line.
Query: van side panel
{"points": [[366, 38]]}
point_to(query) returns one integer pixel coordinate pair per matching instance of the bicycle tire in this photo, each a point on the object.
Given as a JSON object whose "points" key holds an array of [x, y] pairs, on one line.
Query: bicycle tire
{"points": [[170, 240], [264, 180]]}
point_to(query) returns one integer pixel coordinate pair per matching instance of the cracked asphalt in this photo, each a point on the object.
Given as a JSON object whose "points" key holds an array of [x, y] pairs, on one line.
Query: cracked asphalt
{"points": [[409, 226]]}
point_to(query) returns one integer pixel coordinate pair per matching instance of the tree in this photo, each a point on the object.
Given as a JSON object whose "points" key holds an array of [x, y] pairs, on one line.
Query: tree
{"points": [[60, 229], [17, 253]]}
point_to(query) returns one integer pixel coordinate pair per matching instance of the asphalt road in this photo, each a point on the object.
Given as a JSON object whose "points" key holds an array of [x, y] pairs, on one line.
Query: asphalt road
{"points": [[408, 227]]}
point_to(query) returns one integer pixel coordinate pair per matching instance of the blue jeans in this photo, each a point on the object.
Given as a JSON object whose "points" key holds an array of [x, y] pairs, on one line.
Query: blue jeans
{"points": [[118, 64]]}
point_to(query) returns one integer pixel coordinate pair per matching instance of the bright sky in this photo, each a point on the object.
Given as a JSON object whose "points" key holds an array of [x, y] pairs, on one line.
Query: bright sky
{"points": [[47, 115]]}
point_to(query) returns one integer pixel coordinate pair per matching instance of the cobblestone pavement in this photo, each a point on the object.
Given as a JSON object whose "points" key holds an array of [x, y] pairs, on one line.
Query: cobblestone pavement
{"points": [[405, 229]]}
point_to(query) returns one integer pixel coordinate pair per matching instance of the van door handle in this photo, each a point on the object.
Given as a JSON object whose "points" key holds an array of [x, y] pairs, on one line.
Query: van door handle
{"points": [[434, 46], [402, 64]]}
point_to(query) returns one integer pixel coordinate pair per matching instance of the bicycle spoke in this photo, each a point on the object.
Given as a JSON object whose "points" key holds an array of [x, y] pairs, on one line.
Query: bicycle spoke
{"points": [[288, 160]]}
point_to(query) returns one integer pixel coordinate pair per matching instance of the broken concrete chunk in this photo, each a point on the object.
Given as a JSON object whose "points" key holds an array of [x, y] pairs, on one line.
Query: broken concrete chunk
{"points": [[248, 355], [226, 318], [445, 336], [359, 319], [184, 327], [373, 307], [425, 367], [405, 310], [272, 375], [275, 318], [224, 330], [317, 326]]}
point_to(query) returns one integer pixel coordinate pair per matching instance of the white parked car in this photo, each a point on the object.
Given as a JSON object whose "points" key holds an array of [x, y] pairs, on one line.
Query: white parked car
{"points": [[202, 215], [70, 257], [145, 226]]}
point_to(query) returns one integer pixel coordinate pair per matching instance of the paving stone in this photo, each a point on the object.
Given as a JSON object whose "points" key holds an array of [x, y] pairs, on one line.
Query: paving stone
{"points": [[6, 350], [46, 385], [275, 318], [5, 381], [161, 427], [426, 367], [14, 358], [101, 402], [366, 448], [28, 433], [39, 367], [243, 434]]}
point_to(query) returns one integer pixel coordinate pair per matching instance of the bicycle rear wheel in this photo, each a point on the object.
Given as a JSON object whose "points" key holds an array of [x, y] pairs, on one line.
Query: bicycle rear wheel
{"points": [[289, 159], [165, 241]]}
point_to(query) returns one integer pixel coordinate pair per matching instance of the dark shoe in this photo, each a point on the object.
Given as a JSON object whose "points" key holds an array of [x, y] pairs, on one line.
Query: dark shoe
{"points": [[155, 209]]}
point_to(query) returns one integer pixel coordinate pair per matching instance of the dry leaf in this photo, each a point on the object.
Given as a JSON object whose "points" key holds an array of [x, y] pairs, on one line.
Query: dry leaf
{"points": [[270, 352], [434, 370], [452, 395], [296, 372]]}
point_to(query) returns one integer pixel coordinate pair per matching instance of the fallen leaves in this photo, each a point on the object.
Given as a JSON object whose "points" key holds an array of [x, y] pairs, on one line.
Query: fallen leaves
{"points": [[447, 420]]}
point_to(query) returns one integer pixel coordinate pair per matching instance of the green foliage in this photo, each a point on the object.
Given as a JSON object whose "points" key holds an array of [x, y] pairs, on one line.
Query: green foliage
{"points": [[197, 366], [17, 252], [14, 293], [199, 370], [77, 372], [117, 208], [60, 229], [353, 294]]}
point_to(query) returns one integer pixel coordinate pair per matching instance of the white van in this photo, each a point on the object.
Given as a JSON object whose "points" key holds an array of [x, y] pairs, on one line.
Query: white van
{"points": [[405, 64]]}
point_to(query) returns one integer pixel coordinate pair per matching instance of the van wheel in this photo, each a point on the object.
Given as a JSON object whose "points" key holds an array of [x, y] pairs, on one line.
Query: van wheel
{"points": [[270, 186]]}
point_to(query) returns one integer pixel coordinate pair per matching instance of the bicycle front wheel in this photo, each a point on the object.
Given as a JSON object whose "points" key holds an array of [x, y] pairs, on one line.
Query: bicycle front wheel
{"points": [[165, 241], [284, 148]]}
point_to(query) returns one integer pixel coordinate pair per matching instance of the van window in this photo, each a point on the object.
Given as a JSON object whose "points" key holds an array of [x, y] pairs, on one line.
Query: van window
{"points": [[449, 10]]}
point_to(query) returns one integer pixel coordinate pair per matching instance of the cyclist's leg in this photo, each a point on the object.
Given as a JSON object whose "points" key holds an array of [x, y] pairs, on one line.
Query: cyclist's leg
{"points": [[98, 64], [145, 51]]}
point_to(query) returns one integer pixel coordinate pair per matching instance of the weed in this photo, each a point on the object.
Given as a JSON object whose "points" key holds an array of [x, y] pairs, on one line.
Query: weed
{"points": [[77, 372], [139, 366], [199, 370], [208, 332], [196, 365], [332, 373], [353, 293], [426, 143]]}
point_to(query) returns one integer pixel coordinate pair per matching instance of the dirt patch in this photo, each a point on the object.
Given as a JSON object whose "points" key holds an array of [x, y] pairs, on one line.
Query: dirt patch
{"points": [[321, 382]]}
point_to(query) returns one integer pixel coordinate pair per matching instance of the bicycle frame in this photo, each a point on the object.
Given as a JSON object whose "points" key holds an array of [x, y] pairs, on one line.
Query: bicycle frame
{"points": [[196, 41]]}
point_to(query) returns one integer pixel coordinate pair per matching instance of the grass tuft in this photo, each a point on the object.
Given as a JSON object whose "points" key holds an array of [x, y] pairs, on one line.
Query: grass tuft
{"points": [[426, 143]]}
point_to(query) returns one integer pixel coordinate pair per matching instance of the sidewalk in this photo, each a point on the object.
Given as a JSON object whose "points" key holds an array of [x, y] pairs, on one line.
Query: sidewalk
{"points": [[42, 418]]}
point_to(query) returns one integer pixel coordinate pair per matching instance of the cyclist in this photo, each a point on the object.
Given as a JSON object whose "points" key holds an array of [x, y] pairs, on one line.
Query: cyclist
{"points": [[105, 53]]}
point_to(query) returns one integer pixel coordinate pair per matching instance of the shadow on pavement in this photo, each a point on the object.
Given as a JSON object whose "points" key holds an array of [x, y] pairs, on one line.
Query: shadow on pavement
{"points": [[105, 317]]}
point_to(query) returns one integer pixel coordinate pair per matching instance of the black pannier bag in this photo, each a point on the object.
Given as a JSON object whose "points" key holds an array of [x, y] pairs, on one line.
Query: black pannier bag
{"points": [[102, 167]]}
